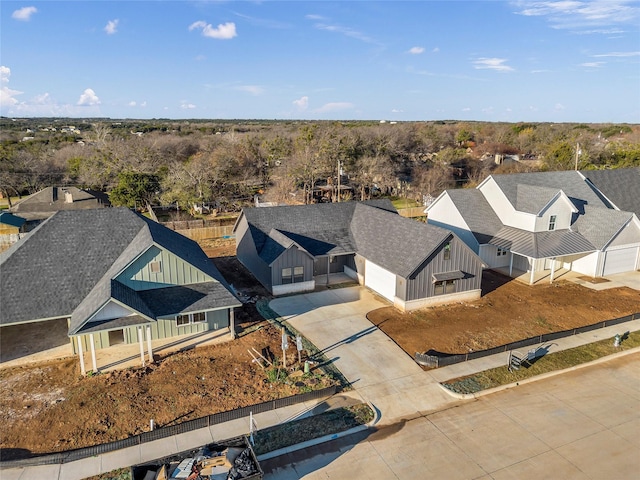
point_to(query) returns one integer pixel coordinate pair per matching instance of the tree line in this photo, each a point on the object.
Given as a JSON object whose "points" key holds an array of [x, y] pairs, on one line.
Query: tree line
{"points": [[226, 163]]}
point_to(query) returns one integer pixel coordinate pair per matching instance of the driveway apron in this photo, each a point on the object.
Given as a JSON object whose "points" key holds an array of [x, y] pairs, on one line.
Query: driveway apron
{"points": [[380, 371]]}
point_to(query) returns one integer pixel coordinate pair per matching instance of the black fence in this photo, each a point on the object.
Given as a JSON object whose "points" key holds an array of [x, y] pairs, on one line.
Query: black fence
{"points": [[159, 433], [442, 360]]}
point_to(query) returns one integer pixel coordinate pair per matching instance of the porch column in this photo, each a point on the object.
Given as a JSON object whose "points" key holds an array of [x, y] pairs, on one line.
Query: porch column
{"points": [[93, 353], [553, 270], [149, 350], [510, 263], [81, 355], [141, 342], [533, 269], [232, 324], [328, 267]]}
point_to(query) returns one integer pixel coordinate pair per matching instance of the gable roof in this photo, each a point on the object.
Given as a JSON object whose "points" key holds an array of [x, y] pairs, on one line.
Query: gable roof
{"points": [[49, 200], [372, 229], [621, 186], [476, 212], [570, 182], [67, 264]]}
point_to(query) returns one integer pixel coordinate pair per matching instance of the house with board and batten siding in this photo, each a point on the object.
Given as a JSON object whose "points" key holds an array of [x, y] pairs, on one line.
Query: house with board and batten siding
{"points": [[103, 277], [292, 249]]}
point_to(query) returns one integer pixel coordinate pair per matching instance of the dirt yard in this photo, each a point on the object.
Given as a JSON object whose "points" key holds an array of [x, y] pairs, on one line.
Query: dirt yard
{"points": [[49, 407], [508, 311]]}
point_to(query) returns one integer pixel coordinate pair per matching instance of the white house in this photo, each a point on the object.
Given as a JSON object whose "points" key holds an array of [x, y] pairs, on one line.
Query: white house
{"points": [[540, 223]]}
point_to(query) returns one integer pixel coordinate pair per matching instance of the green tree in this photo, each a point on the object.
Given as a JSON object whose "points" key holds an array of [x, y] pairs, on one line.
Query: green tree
{"points": [[134, 189]]}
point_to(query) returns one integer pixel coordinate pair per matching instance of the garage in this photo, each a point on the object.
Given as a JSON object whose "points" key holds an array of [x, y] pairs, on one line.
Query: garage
{"points": [[380, 280], [25, 339], [620, 261]]}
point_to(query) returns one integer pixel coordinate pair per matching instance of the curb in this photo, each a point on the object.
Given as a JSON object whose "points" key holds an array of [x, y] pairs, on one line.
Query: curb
{"points": [[542, 376], [323, 439]]}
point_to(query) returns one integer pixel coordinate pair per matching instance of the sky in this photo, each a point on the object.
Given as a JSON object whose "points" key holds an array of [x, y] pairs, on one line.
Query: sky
{"points": [[500, 60]]}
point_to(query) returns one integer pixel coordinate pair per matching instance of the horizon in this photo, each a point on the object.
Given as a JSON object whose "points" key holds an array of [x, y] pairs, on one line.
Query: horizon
{"points": [[351, 61]]}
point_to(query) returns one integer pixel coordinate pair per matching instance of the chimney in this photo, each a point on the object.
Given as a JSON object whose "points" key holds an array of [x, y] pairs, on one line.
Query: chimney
{"points": [[68, 198]]}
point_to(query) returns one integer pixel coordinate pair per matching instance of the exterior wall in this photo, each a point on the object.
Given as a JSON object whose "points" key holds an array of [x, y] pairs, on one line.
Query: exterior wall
{"points": [[467, 296], [247, 254], [293, 257], [503, 208], [585, 264], [489, 255], [294, 288], [445, 214], [335, 266], [462, 258], [563, 212], [628, 236], [111, 310], [173, 271]]}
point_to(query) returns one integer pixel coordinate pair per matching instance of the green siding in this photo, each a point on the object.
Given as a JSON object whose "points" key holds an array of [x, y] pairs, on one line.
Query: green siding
{"points": [[173, 271]]}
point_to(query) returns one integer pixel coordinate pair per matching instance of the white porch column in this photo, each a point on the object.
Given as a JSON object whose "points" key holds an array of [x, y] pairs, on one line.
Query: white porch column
{"points": [[553, 269], [533, 269], [93, 353], [81, 355], [328, 268], [510, 263], [141, 342], [232, 324], [149, 344]]}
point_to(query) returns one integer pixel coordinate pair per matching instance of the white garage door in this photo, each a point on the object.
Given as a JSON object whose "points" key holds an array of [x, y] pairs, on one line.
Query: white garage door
{"points": [[380, 280], [619, 261]]}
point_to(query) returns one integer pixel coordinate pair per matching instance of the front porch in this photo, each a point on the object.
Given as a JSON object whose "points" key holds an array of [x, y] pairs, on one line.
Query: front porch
{"points": [[539, 276]]}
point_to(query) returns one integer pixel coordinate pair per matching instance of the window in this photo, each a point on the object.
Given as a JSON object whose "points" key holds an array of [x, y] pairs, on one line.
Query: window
{"points": [[552, 222], [155, 267], [444, 286], [291, 275], [191, 318], [501, 251], [447, 251]]}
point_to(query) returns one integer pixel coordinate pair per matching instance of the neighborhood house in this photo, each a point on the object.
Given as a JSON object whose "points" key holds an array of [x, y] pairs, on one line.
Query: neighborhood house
{"points": [[104, 277], [540, 224], [294, 248]]}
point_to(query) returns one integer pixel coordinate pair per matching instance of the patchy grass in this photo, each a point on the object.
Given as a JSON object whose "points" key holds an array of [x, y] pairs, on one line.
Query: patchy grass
{"points": [[298, 431], [549, 363], [118, 474]]}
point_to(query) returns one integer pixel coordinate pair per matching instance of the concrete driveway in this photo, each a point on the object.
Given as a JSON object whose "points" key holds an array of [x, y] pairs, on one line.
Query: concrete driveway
{"points": [[379, 370]]}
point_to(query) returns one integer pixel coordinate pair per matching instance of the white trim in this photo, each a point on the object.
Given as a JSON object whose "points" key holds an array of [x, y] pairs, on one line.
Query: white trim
{"points": [[294, 287], [408, 306]]}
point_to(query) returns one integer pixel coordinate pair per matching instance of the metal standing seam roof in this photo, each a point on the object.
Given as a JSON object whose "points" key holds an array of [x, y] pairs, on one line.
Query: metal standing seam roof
{"points": [[545, 244]]}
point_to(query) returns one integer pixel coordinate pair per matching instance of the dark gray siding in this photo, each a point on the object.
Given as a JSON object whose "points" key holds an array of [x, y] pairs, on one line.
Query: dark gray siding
{"points": [[420, 285], [247, 254], [292, 257]]}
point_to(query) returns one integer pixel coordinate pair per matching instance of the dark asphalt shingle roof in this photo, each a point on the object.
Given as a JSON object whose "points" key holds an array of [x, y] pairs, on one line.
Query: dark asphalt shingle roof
{"points": [[66, 265], [621, 186], [532, 199], [599, 225]]}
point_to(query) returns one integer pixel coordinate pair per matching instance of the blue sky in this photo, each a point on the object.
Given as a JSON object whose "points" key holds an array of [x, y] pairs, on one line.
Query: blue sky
{"points": [[557, 61]]}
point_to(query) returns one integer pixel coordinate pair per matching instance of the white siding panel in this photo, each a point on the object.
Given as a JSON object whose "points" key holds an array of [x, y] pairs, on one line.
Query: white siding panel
{"points": [[380, 280]]}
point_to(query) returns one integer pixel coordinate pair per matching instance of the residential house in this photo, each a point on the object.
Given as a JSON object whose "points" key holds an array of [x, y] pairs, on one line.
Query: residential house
{"points": [[295, 248], [103, 277], [11, 228], [540, 223]]}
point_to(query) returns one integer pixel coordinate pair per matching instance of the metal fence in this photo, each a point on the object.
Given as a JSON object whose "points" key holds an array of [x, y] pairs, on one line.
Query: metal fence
{"points": [[442, 360], [159, 433]]}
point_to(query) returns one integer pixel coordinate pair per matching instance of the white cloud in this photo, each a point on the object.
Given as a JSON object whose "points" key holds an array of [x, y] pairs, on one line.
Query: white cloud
{"points": [[346, 31], [132, 103], [112, 26], [24, 13], [466, 109], [302, 103], [187, 106], [252, 89], [88, 98], [416, 50], [558, 107], [44, 99], [617, 54], [7, 95], [578, 15], [335, 107], [492, 64], [435, 50], [396, 110], [592, 64], [314, 17], [224, 31]]}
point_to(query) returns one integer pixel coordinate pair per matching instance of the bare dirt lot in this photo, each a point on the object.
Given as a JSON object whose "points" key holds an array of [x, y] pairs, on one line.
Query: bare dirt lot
{"points": [[49, 407], [508, 311]]}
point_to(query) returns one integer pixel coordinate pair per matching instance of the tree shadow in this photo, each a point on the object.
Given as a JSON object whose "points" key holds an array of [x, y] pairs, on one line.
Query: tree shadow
{"points": [[492, 280]]}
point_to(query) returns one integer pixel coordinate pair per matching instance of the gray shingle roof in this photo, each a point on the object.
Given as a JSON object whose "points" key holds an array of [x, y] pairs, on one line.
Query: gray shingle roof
{"points": [[476, 212], [67, 263], [621, 186], [599, 225], [570, 182], [397, 244], [532, 199]]}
